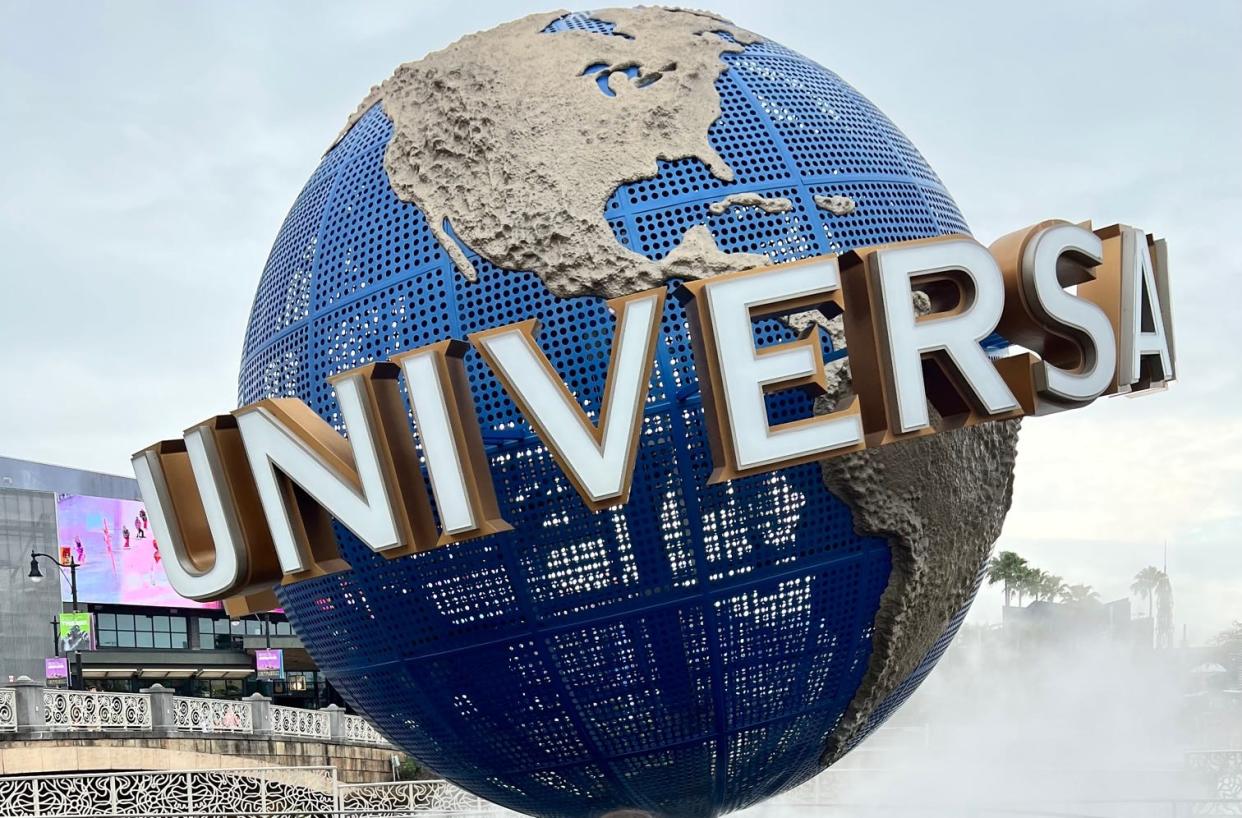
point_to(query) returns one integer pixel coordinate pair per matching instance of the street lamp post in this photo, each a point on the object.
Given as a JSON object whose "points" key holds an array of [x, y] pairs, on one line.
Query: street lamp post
{"points": [[36, 575], [266, 685]]}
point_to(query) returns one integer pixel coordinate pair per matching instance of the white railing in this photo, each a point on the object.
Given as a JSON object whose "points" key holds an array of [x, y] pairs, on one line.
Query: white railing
{"points": [[297, 721], [358, 730], [84, 710], [286, 791], [8, 710], [159, 709], [316, 792], [402, 796], [212, 715]]}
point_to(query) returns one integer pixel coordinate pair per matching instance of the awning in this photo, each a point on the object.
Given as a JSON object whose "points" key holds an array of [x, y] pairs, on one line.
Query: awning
{"points": [[224, 673], [109, 672], [166, 672]]}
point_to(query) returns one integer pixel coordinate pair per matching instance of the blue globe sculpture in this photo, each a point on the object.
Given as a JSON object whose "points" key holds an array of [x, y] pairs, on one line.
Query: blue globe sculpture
{"points": [[694, 651]]}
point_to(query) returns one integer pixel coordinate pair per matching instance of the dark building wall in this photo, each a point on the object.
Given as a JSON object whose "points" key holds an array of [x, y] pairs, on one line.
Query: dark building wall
{"points": [[27, 522]]}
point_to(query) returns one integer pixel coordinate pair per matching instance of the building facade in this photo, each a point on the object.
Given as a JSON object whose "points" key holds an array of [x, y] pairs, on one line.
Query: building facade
{"points": [[27, 609], [141, 631]]}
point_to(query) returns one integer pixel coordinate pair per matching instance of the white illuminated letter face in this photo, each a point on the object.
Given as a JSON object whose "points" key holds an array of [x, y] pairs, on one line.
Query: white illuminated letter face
{"points": [[443, 408], [355, 493], [1144, 339], [191, 578], [904, 338], [746, 373], [435, 430], [1051, 305], [599, 460]]}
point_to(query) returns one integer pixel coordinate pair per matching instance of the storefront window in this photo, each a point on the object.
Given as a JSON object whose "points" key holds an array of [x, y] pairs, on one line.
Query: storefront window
{"points": [[220, 634], [223, 634], [220, 688], [141, 631]]}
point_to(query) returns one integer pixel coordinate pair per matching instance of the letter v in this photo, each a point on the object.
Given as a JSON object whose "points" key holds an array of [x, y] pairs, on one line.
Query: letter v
{"points": [[598, 460]]}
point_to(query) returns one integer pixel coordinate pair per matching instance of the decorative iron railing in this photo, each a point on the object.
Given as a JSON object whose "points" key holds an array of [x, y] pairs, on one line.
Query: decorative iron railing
{"points": [[82, 710], [212, 715], [358, 730], [302, 791], [159, 709], [8, 710], [1219, 773], [297, 721], [316, 792], [411, 796]]}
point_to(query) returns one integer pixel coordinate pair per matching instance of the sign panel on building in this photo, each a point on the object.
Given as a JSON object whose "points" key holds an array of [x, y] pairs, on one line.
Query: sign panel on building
{"points": [[270, 663], [75, 632], [56, 670], [118, 556]]}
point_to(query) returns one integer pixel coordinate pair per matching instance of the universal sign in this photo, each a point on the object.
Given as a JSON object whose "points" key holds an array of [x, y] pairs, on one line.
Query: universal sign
{"points": [[248, 498]]}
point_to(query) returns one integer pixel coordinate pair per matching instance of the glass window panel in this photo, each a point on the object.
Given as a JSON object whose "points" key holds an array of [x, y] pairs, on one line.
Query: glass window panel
{"points": [[106, 620], [178, 623], [143, 639], [284, 629], [159, 623], [125, 639], [142, 622], [107, 639], [180, 641], [237, 627], [206, 626], [254, 628], [162, 640], [125, 622]]}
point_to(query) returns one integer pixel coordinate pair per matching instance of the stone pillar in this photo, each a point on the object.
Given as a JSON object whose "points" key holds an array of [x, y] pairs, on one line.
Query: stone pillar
{"points": [[163, 717], [260, 713], [336, 724], [31, 717]]}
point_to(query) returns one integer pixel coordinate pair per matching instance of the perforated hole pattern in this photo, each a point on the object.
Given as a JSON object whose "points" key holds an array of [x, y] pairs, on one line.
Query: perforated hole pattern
{"points": [[686, 654]]}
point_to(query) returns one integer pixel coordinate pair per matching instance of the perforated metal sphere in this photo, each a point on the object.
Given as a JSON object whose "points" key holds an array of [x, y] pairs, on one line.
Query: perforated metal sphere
{"points": [[686, 654]]}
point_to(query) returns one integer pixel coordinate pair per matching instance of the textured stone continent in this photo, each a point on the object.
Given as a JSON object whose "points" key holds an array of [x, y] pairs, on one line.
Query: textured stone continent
{"points": [[515, 148]]}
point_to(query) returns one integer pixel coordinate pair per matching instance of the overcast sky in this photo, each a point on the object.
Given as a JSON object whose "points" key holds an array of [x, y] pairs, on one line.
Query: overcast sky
{"points": [[151, 150]]}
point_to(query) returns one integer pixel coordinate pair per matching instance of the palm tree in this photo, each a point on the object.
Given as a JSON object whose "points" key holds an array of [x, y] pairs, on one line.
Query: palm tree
{"points": [[1078, 594], [1051, 586], [1028, 582], [1145, 583], [1034, 583], [1007, 567], [1044, 586]]}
